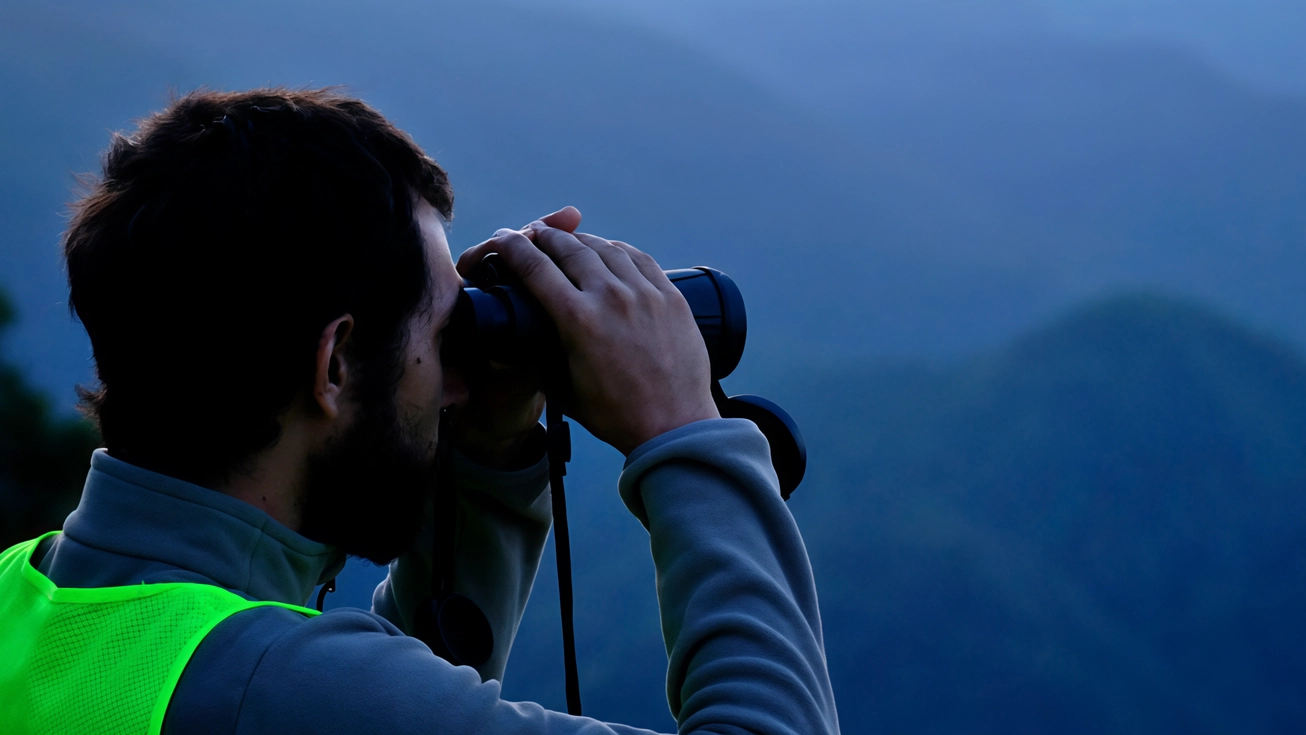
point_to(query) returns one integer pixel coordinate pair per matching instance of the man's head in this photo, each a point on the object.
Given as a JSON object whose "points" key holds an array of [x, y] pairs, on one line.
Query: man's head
{"points": [[258, 259]]}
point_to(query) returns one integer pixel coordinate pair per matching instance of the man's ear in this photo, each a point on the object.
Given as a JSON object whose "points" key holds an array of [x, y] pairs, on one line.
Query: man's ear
{"points": [[331, 371]]}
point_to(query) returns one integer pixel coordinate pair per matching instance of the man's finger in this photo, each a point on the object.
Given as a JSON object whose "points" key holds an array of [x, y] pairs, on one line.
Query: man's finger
{"points": [[614, 258], [473, 255], [546, 282], [648, 267], [581, 264], [566, 219]]}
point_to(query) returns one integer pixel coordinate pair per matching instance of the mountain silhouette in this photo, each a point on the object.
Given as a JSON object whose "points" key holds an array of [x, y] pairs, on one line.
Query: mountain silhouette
{"points": [[1095, 528], [1099, 163]]}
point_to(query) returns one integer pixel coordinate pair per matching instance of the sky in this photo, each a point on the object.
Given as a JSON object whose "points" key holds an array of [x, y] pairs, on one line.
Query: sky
{"points": [[1003, 160]]}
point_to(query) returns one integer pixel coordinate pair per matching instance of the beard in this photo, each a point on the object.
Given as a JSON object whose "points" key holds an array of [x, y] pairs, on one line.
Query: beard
{"points": [[367, 488]]}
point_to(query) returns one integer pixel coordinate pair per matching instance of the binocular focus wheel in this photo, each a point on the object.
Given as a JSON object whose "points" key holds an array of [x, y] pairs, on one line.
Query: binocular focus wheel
{"points": [[788, 450]]}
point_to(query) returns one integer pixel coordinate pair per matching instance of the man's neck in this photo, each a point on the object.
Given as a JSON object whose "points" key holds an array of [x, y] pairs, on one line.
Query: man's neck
{"points": [[264, 489], [275, 481]]}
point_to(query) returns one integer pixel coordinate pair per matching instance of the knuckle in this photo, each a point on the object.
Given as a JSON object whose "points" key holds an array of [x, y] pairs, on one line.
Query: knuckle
{"points": [[525, 268], [582, 317], [513, 238], [650, 291], [526, 262], [608, 249], [609, 291], [674, 303], [551, 236], [569, 257], [641, 257], [567, 313]]}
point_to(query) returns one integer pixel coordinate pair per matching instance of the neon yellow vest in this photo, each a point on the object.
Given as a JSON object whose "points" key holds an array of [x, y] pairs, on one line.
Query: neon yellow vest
{"points": [[101, 661]]}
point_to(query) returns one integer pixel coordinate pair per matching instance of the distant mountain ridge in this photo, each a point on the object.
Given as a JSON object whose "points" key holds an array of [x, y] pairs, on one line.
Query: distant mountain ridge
{"points": [[1254, 41], [1257, 40], [945, 212], [1110, 160], [1096, 528]]}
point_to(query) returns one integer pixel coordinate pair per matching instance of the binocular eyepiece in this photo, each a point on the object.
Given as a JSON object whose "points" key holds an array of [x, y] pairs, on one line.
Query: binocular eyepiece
{"points": [[497, 319]]}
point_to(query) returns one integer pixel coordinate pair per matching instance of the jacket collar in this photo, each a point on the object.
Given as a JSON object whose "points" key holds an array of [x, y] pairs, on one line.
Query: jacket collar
{"points": [[135, 512]]}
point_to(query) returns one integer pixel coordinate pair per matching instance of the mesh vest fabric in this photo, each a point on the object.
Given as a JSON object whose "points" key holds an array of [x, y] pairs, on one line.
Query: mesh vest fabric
{"points": [[98, 660]]}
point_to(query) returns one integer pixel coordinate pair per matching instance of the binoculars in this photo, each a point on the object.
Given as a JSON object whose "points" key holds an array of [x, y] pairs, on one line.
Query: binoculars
{"points": [[497, 319]]}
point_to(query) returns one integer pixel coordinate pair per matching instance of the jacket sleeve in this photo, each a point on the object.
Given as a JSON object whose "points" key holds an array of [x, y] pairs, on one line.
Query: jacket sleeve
{"points": [[503, 523], [738, 606], [735, 588]]}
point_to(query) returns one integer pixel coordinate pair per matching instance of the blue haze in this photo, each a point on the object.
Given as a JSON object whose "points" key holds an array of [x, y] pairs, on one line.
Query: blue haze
{"points": [[1035, 504]]}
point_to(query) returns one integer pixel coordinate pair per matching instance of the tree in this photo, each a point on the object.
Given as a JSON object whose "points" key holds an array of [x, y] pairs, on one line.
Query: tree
{"points": [[44, 457]]}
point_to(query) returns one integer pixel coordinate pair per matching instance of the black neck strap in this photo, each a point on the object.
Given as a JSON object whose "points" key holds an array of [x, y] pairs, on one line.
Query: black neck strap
{"points": [[559, 433], [451, 624]]}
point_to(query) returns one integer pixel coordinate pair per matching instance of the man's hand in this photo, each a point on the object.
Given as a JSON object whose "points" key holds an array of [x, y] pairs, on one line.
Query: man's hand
{"points": [[495, 427], [496, 424], [638, 365]]}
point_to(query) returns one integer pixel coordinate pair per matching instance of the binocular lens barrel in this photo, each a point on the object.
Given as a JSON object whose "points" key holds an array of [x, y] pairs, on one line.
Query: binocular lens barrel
{"points": [[496, 318], [718, 309]]}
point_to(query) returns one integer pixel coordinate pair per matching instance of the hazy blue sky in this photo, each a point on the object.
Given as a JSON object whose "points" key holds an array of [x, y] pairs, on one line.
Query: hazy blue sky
{"points": [[1003, 159], [1043, 522], [1257, 41]]}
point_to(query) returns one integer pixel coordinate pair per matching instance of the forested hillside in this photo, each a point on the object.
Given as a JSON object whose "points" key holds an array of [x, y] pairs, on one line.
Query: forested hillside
{"points": [[1096, 528], [44, 455]]}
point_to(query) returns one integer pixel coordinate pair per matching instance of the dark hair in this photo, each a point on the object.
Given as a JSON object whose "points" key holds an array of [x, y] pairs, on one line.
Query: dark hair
{"points": [[223, 237]]}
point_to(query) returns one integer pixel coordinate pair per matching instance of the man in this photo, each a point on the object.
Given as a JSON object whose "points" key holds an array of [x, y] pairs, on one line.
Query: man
{"points": [[264, 278]]}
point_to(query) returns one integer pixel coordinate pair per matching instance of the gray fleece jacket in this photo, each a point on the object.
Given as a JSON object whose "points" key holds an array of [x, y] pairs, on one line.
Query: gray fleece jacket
{"points": [[738, 604]]}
